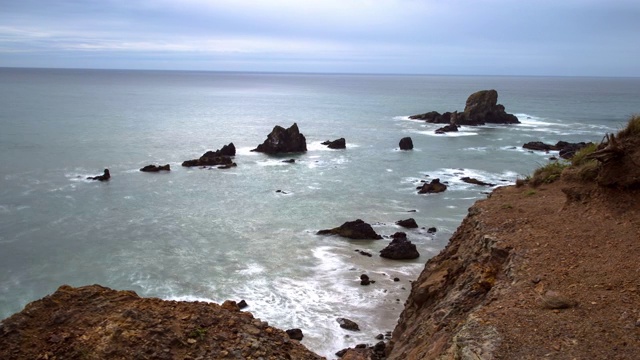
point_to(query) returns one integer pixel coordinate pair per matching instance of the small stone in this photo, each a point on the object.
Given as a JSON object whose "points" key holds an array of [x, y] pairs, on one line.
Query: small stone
{"points": [[396, 279], [191, 341], [364, 279]]}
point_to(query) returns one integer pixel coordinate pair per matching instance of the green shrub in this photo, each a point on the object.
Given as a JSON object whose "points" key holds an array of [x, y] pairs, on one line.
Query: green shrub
{"points": [[579, 157], [632, 129], [548, 173]]}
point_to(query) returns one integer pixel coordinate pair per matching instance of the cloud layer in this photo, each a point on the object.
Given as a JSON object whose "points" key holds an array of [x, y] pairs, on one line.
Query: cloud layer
{"points": [[570, 37]]}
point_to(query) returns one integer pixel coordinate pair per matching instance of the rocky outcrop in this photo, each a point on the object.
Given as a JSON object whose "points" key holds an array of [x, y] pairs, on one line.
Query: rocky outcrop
{"points": [[481, 108], [221, 157], [435, 186], [336, 144], [400, 249], [156, 168], [406, 143], [106, 175], [99, 323], [447, 128], [409, 223], [356, 229], [282, 140], [474, 181], [566, 149]]}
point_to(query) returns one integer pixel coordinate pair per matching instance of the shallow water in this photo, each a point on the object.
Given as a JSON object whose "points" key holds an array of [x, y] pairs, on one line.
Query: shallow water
{"points": [[200, 234]]}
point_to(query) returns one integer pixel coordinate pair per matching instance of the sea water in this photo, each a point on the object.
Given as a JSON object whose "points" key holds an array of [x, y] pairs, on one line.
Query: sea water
{"points": [[211, 235]]}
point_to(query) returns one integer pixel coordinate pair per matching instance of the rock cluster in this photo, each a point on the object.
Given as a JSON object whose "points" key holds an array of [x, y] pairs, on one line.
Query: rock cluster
{"points": [[435, 186], [336, 144], [156, 168], [481, 108], [282, 140], [104, 177], [221, 158], [566, 149]]}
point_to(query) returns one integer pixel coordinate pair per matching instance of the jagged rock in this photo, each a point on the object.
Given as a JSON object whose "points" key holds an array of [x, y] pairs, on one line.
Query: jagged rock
{"points": [[482, 107], [435, 186], [104, 177], [399, 235], [154, 168], [295, 334], [215, 158], [348, 324], [336, 144], [409, 223], [356, 229], [400, 249], [470, 180], [282, 140], [406, 143]]}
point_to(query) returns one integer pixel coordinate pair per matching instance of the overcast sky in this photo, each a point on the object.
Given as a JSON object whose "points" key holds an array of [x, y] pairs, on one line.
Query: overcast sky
{"points": [[475, 37]]}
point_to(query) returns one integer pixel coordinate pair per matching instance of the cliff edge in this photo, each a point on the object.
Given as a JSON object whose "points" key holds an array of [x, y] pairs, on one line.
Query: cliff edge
{"points": [[547, 269]]}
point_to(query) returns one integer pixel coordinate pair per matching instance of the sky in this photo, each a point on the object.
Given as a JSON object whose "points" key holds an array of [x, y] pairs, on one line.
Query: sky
{"points": [[449, 37]]}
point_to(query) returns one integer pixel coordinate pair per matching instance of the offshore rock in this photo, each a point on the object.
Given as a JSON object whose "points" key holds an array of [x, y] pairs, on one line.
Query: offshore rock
{"points": [[154, 168], [295, 334], [447, 128], [435, 186], [348, 324], [470, 180], [406, 143], [356, 229], [215, 158], [336, 144], [104, 177], [100, 323], [400, 249], [409, 223], [282, 140]]}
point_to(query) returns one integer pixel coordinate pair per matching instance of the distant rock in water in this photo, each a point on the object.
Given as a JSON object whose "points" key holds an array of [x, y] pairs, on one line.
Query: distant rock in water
{"points": [[406, 143], [447, 128], [348, 324], [470, 180], [409, 223], [356, 229], [336, 144], [435, 186], [566, 149], [481, 107], [400, 249], [154, 168], [221, 157], [104, 177], [282, 140]]}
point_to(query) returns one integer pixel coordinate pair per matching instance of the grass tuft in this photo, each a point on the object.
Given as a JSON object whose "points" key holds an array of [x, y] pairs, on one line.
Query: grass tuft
{"points": [[632, 129], [548, 173]]}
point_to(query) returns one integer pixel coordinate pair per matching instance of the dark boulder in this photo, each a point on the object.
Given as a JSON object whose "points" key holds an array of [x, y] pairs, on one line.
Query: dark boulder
{"points": [[406, 143], [348, 324], [364, 279], [400, 249], [409, 223], [433, 117], [336, 144], [295, 334], [282, 140], [435, 186], [221, 157], [482, 107], [432, 230], [242, 304], [356, 229], [154, 168], [538, 146], [104, 177], [399, 235], [470, 180]]}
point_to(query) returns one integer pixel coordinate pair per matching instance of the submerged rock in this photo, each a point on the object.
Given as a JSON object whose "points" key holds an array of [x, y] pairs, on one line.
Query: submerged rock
{"points": [[154, 168], [356, 229], [470, 180], [104, 177], [406, 143], [282, 140]]}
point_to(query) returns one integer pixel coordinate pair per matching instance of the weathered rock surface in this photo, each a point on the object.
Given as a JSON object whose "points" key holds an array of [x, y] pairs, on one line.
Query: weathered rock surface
{"points": [[348, 324], [409, 223], [282, 140], [400, 249], [94, 322], [106, 175], [435, 186], [156, 168], [356, 229], [481, 107], [336, 144], [406, 143], [221, 157]]}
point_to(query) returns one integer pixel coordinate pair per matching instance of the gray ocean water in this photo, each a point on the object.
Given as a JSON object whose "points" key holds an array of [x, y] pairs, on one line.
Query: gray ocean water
{"points": [[212, 235]]}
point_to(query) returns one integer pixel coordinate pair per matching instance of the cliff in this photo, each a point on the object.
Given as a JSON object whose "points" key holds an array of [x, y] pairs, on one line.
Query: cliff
{"points": [[547, 269]]}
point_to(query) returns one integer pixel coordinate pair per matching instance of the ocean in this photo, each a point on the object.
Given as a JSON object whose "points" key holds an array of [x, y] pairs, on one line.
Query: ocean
{"points": [[211, 235]]}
